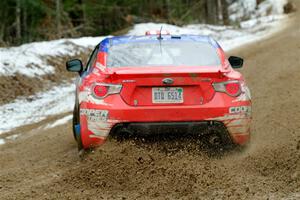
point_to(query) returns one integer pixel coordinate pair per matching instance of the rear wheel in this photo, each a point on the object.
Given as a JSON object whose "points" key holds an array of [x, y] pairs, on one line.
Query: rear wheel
{"points": [[217, 138], [79, 142], [76, 122]]}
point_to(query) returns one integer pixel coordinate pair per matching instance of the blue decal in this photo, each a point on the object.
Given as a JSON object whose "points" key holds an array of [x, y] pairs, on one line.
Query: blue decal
{"points": [[103, 47], [77, 130], [108, 42]]}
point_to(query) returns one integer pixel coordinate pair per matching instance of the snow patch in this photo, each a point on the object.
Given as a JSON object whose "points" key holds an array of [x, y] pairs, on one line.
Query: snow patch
{"points": [[229, 37], [242, 10], [58, 122], [59, 99], [275, 7], [28, 59], [11, 137]]}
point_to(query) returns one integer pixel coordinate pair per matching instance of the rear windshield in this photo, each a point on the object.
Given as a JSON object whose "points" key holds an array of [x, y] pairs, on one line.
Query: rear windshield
{"points": [[164, 53]]}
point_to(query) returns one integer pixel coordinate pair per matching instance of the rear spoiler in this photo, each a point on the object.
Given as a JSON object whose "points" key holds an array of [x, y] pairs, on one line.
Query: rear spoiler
{"points": [[165, 70], [115, 73]]}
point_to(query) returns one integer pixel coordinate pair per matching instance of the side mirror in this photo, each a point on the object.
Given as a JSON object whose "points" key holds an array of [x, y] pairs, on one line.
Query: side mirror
{"points": [[74, 65], [236, 62]]}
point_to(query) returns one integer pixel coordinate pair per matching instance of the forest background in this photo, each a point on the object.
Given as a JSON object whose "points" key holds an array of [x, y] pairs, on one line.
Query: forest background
{"points": [[24, 21]]}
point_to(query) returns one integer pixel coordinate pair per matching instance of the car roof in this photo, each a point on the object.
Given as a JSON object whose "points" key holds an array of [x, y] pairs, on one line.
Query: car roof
{"points": [[116, 40]]}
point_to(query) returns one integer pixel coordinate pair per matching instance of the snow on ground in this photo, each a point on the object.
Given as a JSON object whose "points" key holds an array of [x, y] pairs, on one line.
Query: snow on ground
{"points": [[246, 9], [8, 138], [28, 59], [2, 141], [59, 122], [59, 99], [228, 37]]}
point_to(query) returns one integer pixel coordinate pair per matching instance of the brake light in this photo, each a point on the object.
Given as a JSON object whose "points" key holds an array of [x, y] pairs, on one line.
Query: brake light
{"points": [[102, 90], [232, 88]]}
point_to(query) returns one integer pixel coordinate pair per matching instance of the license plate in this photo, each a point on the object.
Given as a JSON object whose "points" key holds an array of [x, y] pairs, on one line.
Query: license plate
{"points": [[167, 95]]}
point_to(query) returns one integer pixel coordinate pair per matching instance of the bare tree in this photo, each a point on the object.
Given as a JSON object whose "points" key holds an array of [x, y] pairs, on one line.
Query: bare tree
{"points": [[18, 21], [24, 20], [84, 15], [2, 26], [225, 16], [211, 8], [58, 17]]}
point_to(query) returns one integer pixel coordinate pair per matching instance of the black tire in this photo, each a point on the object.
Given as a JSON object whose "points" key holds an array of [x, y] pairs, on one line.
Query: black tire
{"points": [[79, 143], [75, 121]]}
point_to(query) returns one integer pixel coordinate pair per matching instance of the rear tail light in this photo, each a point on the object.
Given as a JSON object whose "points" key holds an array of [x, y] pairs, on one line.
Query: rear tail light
{"points": [[102, 90], [232, 88]]}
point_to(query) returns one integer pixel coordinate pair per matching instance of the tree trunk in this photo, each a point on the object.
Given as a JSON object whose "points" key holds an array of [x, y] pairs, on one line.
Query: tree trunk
{"points": [[18, 21], [58, 18], [212, 11], [25, 32], [168, 4], [225, 15], [83, 6], [3, 15], [1, 34]]}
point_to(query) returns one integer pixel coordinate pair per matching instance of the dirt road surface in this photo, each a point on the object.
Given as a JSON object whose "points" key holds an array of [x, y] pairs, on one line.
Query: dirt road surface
{"points": [[43, 164]]}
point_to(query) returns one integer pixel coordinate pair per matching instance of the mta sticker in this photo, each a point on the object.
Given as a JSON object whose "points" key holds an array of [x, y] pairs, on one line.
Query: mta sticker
{"points": [[95, 115], [240, 109]]}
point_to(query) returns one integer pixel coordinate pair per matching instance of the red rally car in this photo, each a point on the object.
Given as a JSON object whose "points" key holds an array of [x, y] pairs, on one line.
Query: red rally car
{"points": [[160, 84]]}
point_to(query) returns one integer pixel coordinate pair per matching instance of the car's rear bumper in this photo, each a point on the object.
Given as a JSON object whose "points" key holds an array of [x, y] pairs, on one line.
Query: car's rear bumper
{"points": [[99, 118]]}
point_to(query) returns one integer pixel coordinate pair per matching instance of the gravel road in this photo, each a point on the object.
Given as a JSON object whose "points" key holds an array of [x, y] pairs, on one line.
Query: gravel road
{"points": [[43, 164]]}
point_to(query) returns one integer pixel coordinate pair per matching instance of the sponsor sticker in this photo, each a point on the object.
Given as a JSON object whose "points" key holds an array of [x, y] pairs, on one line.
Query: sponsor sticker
{"points": [[95, 115], [240, 109]]}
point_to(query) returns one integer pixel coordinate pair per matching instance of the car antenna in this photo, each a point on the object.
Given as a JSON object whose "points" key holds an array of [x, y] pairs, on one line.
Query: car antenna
{"points": [[159, 36], [160, 39]]}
